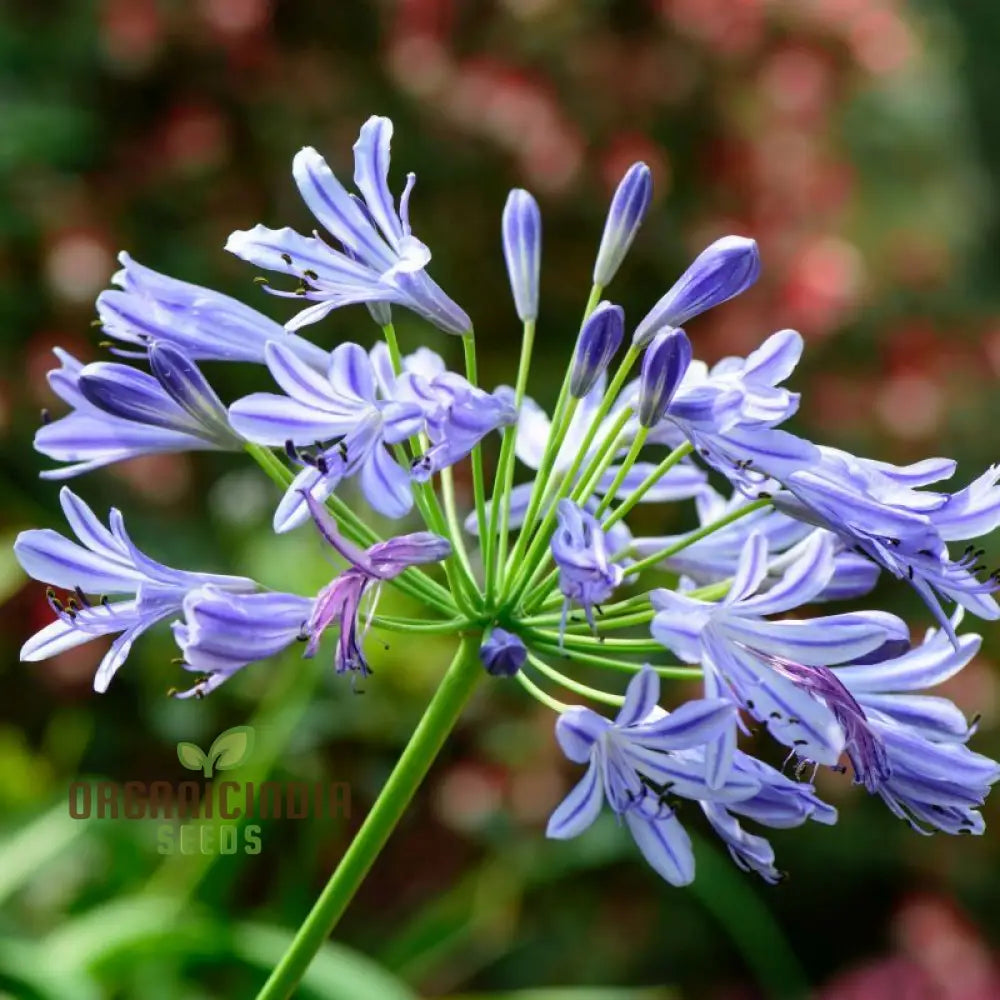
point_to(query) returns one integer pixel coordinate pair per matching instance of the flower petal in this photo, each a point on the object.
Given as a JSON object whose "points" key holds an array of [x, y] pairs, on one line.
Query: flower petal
{"points": [[580, 808]]}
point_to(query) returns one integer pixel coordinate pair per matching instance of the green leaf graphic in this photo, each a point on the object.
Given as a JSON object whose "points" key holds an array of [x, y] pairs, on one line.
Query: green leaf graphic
{"points": [[191, 756], [231, 748]]}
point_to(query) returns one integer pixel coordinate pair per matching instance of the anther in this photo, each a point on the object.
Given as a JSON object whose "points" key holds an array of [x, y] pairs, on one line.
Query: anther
{"points": [[287, 258], [46, 416]]}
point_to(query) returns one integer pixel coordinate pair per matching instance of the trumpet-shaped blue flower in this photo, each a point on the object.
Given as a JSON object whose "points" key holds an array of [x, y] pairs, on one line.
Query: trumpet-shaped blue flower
{"points": [[877, 510], [381, 260], [119, 412], [646, 758], [103, 561], [149, 307], [741, 650], [344, 405]]}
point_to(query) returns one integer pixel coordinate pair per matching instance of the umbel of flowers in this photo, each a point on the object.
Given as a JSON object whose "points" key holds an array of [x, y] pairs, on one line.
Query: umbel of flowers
{"points": [[543, 573]]}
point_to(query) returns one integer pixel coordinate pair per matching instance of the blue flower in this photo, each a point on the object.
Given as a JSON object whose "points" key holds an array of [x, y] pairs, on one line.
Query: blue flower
{"points": [[740, 650], [103, 562], [343, 404], [908, 747], [580, 550], [628, 208], [646, 759], [502, 653], [877, 510], [381, 260], [721, 271], [223, 631], [205, 325], [118, 412]]}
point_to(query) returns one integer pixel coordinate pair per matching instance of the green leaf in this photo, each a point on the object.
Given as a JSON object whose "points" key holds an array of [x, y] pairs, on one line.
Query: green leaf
{"points": [[232, 748], [190, 755]]}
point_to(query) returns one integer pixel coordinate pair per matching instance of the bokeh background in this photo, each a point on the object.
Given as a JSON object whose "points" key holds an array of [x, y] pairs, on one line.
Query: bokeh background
{"points": [[857, 140]]}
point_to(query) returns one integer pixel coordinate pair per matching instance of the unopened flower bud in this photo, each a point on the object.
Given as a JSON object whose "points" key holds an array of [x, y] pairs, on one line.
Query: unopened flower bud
{"points": [[598, 343], [503, 653], [628, 207], [720, 272], [663, 366], [522, 249]]}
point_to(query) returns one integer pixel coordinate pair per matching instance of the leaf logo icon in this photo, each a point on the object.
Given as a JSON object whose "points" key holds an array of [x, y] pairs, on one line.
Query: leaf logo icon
{"points": [[230, 749]]}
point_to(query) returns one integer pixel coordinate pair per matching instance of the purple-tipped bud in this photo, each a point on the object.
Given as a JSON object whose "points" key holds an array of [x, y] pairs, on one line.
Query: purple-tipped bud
{"points": [[724, 269], [663, 366], [598, 343], [522, 249], [503, 654], [628, 208]]}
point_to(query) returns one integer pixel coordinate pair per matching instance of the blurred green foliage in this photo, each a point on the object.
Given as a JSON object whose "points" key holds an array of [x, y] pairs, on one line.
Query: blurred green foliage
{"points": [[855, 141]]}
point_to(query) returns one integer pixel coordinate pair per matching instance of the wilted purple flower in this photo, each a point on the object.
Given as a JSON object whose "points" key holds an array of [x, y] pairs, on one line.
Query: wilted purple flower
{"points": [[382, 260], [599, 340], [904, 746], [119, 412], [341, 600], [628, 208], [522, 250], [103, 562], [741, 651], [580, 550], [205, 325], [343, 405], [502, 653], [663, 366], [720, 272]]}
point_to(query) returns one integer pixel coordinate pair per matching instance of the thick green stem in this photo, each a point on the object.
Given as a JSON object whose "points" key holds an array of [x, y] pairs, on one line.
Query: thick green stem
{"points": [[437, 722]]}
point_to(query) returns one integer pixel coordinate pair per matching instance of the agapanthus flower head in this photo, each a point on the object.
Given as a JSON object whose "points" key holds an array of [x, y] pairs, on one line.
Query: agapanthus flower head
{"points": [[381, 260], [800, 524], [522, 250], [503, 653], [600, 337], [721, 271], [629, 205]]}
